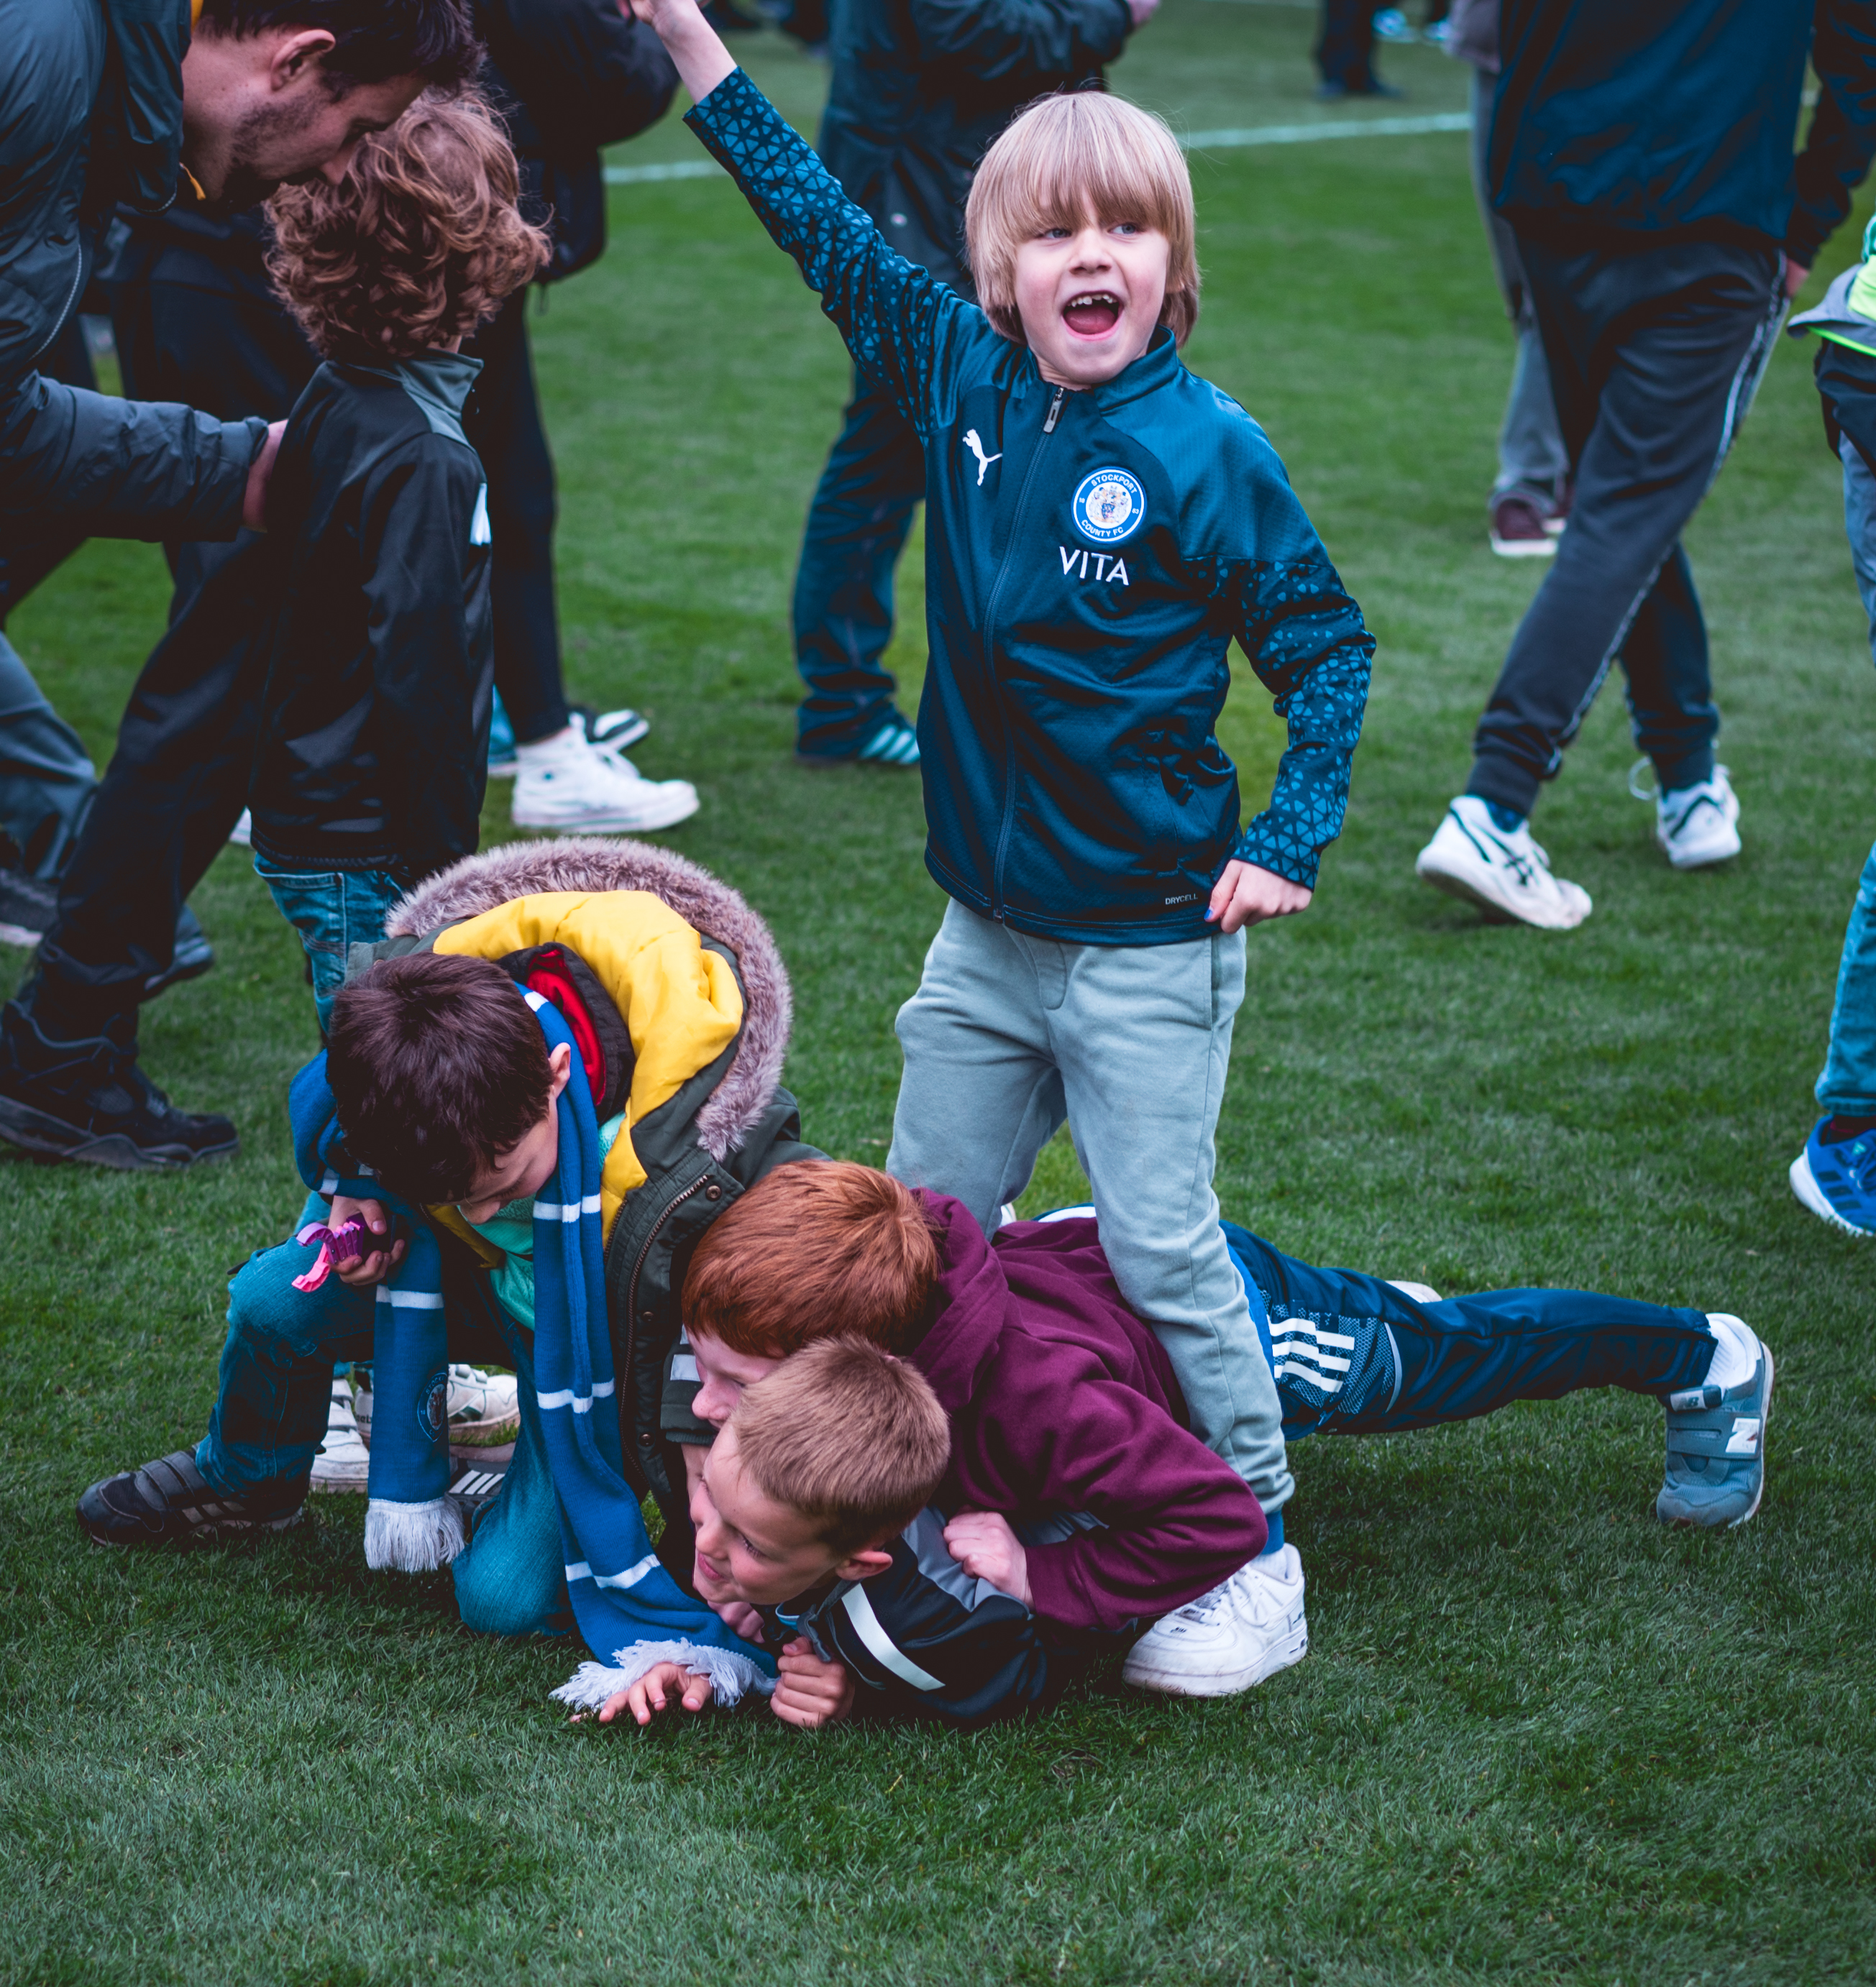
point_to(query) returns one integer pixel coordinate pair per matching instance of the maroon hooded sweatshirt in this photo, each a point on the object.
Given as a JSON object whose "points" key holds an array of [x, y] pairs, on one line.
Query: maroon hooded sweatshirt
{"points": [[1061, 1401]]}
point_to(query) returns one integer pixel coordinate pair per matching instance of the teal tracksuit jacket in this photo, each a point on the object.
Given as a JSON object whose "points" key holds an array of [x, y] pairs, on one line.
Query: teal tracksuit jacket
{"points": [[1089, 558]]}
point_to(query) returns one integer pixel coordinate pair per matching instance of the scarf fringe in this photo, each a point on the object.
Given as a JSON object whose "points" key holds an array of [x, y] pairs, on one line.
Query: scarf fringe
{"points": [[731, 1674], [413, 1538]]}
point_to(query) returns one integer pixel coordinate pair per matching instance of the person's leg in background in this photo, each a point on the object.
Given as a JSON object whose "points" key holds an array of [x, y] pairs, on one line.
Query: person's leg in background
{"points": [[562, 779], [1525, 506], [857, 525], [1835, 1175], [1345, 50], [1654, 357], [332, 910]]}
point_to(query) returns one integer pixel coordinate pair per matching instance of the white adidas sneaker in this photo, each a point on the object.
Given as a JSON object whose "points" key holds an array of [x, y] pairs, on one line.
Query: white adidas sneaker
{"points": [[1506, 875], [567, 783], [1247, 1628], [484, 1409], [1698, 825]]}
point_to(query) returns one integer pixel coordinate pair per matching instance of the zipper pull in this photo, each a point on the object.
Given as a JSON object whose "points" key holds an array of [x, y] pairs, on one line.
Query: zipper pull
{"points": [[1054, 412]]}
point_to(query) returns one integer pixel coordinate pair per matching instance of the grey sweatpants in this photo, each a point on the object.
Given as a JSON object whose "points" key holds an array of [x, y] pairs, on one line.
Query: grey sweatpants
{"points": [[1006, 1037]]}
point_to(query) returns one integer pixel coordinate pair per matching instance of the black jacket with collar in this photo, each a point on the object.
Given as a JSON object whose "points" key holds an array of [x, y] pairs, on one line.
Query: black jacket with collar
{"points": [[374, 725]]}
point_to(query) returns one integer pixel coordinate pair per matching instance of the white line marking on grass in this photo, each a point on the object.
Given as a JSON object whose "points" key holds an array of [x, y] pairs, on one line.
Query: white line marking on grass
{"points": [[1197, 141]]}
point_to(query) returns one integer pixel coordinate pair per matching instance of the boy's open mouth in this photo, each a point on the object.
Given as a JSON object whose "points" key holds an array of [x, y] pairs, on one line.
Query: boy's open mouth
{"points": [[1093, 314]]}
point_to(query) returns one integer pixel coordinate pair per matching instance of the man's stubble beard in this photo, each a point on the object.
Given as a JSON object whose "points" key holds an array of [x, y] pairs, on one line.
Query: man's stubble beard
{"points": [[265, 128]]}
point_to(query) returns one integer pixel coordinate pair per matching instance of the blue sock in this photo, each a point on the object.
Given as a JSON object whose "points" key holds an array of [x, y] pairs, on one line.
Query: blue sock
{"points": [[1275, 1542], [1507, 821]]}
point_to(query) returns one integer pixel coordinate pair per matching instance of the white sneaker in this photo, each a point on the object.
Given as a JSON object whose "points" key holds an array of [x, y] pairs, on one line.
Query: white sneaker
{"points": [[565, 783], [1697, 826], [485, 1408], [342, 1463], [1243, 1631], [1506, 875], [1420, 1292]]}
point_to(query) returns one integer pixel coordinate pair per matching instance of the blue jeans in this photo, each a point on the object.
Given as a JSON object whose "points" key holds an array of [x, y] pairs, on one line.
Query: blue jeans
{"points": [[270, 1413], [843, 587], [332, 910], [1353, 1355], [45, 781], [1847, 1086]]}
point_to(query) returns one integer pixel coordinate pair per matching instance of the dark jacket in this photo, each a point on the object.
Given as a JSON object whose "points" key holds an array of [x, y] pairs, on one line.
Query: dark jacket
{"points": [[571, 75], [1063, 1402], [1089, 558], [1677, 118], [90, 113], [924, 1639], [374, 724], [717, 1136], [921, 87]]}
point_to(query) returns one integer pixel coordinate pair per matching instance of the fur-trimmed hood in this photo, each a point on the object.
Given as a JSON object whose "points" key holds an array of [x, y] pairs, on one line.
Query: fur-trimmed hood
{"points": [[478, 883]]}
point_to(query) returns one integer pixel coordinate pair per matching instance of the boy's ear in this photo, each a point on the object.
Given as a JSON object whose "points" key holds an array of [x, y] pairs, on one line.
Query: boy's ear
{"points": [[862, 1565]]}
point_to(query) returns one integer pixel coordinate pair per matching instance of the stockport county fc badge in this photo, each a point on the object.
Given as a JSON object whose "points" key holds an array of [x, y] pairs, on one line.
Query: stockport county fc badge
{"points": [[433, 1406], [1109, 506]]}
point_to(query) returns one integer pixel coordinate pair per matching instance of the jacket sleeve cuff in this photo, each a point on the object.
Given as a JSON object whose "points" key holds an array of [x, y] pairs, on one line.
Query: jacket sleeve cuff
{"points": [[1270, 845], [1055, 1594], [215, 511]]}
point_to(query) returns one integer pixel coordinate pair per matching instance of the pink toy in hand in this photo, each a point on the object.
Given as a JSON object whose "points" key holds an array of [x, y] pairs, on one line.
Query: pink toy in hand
{"points": [[345, 1244]]}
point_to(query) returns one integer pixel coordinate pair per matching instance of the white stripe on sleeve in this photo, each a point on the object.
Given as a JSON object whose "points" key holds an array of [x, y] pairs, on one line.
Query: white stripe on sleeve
{"points": [[860, 1613]]}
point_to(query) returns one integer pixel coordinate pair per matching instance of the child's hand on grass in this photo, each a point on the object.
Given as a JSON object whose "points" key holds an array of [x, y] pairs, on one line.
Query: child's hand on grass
{"points": [[363, 1271], [1245, 895], [652, 1693], [809, 1692], [983, 1545]]}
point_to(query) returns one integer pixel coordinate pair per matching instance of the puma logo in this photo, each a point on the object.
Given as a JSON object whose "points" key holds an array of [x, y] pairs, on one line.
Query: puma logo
{"points": [[974, 443]]}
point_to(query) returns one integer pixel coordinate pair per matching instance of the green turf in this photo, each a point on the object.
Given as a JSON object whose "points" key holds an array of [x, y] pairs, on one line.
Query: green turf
{"points": [[1536, 1735]]}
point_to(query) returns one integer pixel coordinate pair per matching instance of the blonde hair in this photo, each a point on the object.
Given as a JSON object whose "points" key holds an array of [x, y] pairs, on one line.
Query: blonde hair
{"points": [[1066, 158], [419, 242], [846, 1435]]}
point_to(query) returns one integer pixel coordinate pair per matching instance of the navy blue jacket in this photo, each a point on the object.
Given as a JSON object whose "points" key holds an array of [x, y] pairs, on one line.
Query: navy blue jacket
{"points": [[921, 87], [1089, 558], [1678, 118]]}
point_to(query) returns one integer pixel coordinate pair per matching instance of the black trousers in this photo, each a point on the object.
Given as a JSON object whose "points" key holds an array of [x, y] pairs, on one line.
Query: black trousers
{"points": [[1345, 48], [178, 780], [1655, 352]]}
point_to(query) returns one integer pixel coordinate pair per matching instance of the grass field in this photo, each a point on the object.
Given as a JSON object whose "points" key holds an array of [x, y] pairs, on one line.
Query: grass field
{"points": [[1536, 1735]]}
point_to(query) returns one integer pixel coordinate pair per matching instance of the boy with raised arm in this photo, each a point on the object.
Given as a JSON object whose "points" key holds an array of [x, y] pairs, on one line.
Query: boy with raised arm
{"points": [[1101, 524]]}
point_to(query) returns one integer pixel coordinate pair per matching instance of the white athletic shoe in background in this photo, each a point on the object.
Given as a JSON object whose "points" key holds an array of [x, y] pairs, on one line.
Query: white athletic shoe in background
{"points": [[485, 1408], [342, 1463], [1420, 1292], [1697, 826], [1505, 874], [1245, 1630], [568, 783]]}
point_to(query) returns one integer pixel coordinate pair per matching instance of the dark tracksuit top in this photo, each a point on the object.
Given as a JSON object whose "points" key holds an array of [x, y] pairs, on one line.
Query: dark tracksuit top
{"points": [[374, 726], [1089, 558], [926, 1639]]}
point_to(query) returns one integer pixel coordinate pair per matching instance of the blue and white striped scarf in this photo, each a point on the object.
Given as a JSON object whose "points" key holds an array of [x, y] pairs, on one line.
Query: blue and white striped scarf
{"points": [[627, 1606]]}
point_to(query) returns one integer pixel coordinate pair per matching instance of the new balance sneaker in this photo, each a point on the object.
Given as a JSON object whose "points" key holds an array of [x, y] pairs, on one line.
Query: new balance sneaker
{"points": [[1520, 530], [1837, 1182], [342, 1463], [1715, 1472], [91, 1101], [1698, 825], [566, 784], [1247, 1628], [169, 1502], [1501, 870], [485, 1411]]}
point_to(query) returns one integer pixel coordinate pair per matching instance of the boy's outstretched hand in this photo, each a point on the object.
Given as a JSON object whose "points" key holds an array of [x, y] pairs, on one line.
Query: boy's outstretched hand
{"points": [[652, 1692], [362, 1271], [811, 1693], [1245, 895], [983, 1545]]}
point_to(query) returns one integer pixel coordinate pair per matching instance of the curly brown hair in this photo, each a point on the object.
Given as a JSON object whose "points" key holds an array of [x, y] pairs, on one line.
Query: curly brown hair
{"points": [[419, 244]]}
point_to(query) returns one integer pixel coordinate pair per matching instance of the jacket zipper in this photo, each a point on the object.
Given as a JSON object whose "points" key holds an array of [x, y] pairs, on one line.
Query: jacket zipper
{"points": [[65, 309], [623, 1380], [990, 662]]}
